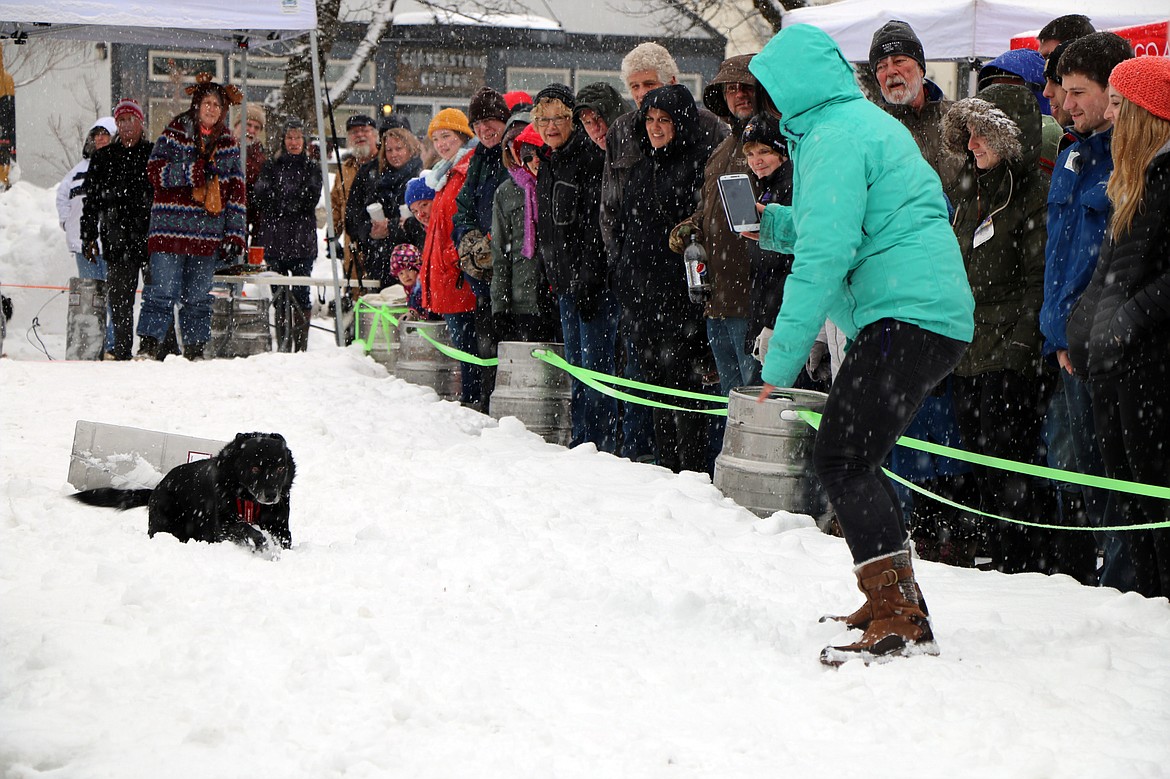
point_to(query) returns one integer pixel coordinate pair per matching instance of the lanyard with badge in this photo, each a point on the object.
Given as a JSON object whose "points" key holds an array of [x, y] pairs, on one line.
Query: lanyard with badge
{"points": [[986, 228]]}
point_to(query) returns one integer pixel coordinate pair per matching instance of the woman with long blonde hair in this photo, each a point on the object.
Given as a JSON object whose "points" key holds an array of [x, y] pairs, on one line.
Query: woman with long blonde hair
{"points": [[1119, 331]]}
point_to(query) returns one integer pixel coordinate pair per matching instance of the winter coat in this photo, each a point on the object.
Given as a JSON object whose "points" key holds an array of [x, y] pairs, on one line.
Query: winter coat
{"points": [[769, 270], [485, 173], [729, 255], [285, 199], [71, 191], [444, 290], [1006, 270], [663, 189], [377, 182], [622, 153], [1122, 321], [568, 191], [338, 197], [179, 224], [518, 282], [1078, 211], [70, 202], [925, 126], [118, 201], [868, 225]]}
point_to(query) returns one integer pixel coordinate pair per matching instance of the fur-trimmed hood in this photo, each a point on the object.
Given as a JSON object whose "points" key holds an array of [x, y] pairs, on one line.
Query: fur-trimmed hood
{"points": [[1006, 115]]}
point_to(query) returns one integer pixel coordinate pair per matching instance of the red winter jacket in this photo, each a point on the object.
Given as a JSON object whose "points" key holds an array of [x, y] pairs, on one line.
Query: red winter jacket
{"points": [[444, 290]]}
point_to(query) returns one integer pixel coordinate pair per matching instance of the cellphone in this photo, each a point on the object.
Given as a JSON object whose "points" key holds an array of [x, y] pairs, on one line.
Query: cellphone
{"points": [[739, 202]]}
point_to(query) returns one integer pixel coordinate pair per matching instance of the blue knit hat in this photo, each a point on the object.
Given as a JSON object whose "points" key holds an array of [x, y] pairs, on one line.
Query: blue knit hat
{"points": [[417, 189]]}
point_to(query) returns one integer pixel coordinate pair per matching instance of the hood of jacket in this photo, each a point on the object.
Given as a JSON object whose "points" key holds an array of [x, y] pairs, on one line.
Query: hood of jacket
{"points": [[1025, 63], [824, 77], [676, 100], [1007, 117], [734, 70]]}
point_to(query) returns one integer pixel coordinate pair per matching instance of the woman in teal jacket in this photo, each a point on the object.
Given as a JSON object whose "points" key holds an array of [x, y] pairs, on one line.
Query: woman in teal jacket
{"points": [[874, 252]]}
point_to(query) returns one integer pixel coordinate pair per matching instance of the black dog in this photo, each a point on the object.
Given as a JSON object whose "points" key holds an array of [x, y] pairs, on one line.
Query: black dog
{"points": [[230, 497]]}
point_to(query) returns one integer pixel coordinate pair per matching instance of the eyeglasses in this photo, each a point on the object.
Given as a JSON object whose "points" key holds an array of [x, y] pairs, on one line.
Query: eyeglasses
{"points": [[545, 121], [737, 87], [528, 158]]}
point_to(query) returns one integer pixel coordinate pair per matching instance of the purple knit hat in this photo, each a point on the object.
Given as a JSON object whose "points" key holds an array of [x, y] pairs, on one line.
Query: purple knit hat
{"points": [[405, 256]]}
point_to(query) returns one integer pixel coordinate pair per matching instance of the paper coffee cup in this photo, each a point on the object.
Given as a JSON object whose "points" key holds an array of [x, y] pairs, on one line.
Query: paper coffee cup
{"points": [[376, 212]]}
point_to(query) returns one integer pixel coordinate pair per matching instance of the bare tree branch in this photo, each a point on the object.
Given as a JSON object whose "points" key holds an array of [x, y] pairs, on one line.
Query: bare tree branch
{"points": [[27, 64]]}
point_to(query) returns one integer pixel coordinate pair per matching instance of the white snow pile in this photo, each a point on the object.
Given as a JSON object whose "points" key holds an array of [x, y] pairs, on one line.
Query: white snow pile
{"points": [[464, 600]]}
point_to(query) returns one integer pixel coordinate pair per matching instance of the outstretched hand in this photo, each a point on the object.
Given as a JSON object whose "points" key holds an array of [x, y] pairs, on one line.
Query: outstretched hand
{"points": [[765, 393], [756, 235]]}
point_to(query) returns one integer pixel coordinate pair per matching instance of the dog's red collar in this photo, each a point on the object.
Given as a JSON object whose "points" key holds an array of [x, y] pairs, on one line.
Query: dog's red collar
{"points": [[247, 510]]}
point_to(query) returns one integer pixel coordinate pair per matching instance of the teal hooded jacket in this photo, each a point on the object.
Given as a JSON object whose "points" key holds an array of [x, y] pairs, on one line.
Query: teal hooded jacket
{"points": [[868, 223]]}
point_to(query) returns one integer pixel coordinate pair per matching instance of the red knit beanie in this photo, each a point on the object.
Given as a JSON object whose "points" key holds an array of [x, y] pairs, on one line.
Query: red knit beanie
{"points": [[1146, 82], [518, 97], [529, 136]]}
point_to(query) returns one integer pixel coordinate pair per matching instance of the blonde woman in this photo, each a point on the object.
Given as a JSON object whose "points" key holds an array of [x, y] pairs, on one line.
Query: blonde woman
{"points": [[1119, 331]]}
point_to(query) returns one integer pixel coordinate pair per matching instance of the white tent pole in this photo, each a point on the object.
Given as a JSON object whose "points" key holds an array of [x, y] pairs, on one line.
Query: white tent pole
{"points": [[331, 231], [243, 124]]}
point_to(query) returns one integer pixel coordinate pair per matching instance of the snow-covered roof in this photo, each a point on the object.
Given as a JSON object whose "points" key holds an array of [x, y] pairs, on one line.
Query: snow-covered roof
{"points": [[580, 17], [522, 21], [208, 24]]}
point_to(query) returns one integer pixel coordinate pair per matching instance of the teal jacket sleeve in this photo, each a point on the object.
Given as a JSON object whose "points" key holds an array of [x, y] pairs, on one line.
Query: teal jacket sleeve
{"points": [[829, 204], [777, 233]]}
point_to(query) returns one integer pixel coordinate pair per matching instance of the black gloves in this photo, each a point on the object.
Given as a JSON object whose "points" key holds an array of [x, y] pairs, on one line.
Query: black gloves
{"points": [[230, 251]]}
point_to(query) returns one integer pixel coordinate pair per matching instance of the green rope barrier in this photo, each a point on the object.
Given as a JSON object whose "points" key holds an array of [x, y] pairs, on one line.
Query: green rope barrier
{"points": [[1073, 477], [384, 320], [456, 354], [601, 382], [594, 380], [813, 419]]}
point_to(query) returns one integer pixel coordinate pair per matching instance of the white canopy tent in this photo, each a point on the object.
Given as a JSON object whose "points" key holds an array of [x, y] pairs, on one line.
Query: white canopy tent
{"points": [[963, 29], [224, 25]]}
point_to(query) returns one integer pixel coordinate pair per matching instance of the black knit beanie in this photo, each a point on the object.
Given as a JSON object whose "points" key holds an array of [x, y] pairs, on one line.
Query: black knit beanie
{"points": [[765, 130], [896, 37], [601, 98], [487, 104], [556, 92]]}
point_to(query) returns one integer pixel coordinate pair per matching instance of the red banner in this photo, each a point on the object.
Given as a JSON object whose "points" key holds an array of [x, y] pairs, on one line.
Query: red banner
{"points": [[1151, 40]]}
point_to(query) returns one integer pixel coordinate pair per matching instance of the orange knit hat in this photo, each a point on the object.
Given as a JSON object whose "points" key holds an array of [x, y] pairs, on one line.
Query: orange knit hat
{"points": [[450, 119], [1146, 82]]}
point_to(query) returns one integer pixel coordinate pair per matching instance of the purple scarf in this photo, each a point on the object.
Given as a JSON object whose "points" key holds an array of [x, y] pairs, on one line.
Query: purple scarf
{"points": [[527, 182]]}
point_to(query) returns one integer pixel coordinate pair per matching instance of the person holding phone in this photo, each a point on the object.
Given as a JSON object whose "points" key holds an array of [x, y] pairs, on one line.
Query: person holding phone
{"points": [[766, 152], [874, 252]]}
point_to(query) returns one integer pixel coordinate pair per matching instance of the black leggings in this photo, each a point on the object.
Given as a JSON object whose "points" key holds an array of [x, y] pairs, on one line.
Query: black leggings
{"points": [[885, 376]]}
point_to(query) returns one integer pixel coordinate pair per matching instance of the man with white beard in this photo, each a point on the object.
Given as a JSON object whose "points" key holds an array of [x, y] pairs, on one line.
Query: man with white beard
{"points": [[899, 64], [361, 140]]}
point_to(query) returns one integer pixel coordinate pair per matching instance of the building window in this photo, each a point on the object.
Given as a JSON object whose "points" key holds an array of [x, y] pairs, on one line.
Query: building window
{"points": [[419, 111], [611, 77], [269, 72], [164, 65], [532, 80]]}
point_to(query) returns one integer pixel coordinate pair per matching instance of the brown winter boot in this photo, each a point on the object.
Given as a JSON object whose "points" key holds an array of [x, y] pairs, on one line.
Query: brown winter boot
{"points": [[859, 620], [897, 625]]}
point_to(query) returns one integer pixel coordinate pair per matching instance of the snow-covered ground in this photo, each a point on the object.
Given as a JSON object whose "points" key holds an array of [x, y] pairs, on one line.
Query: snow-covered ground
{"points": [[465, 600]]}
